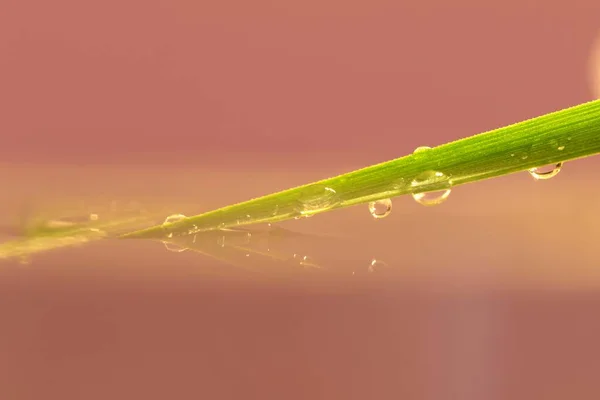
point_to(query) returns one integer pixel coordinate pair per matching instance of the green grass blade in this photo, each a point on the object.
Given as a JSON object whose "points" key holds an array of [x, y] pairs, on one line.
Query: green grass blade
{"points": [[552, 138]]}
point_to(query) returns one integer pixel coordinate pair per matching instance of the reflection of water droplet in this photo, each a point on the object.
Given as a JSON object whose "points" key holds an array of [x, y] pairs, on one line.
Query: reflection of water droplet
{"points": [[174, 248], [421, 149], [317, 199], [377, 265], [546, 172], [171, 219], [380, 208], [561, 148], [307, 261], [93, 217], [431, 188]]}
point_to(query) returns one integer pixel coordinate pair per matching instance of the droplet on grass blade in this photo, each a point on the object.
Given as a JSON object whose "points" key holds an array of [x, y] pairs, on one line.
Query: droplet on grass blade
{"points": [[380, 208], [546, 172], [431, 188]]}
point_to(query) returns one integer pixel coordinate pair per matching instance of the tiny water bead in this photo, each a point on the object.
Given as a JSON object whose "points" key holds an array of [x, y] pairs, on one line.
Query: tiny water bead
{"points": [[431, 188], [315, 200], [546, 172], [380, 208]]}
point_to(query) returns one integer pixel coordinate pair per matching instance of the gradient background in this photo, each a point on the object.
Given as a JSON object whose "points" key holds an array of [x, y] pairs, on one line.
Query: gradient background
{"points": [[194, 105]]}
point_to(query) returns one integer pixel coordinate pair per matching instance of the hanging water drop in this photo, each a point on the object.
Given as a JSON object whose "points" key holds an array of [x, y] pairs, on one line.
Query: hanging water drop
{"points": [[431, 188], [546, 172], [380, 208]]}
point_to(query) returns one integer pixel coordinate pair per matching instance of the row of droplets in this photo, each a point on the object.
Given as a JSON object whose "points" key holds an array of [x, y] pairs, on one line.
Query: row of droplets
{"points": [[382, 208], [429, 188]]}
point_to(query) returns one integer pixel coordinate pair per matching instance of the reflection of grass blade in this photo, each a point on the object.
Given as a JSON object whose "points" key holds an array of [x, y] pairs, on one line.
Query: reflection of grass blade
{"points": [[274, 251], [557, 137]]}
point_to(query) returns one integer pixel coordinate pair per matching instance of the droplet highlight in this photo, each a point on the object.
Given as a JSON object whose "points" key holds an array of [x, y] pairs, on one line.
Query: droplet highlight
{"points": [[546, 172], [380, 208], [431, 188]]}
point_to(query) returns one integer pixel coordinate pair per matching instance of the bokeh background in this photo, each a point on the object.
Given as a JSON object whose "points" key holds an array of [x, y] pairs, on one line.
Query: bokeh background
{"points": [[190, 106]]}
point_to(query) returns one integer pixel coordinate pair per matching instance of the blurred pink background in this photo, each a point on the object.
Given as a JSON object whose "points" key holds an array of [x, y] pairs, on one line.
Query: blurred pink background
{"points": [[196, 105]]}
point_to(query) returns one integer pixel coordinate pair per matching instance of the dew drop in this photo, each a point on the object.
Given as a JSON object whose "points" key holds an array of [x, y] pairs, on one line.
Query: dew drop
{"points": [[377, 265], [171, 219], [431, 188], [561, 148], [421, 149], [317, 199], [380, 208], [546, 172]]}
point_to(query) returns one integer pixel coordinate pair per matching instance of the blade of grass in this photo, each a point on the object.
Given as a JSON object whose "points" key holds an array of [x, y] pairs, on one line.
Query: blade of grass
{"points": [[560, 136]]}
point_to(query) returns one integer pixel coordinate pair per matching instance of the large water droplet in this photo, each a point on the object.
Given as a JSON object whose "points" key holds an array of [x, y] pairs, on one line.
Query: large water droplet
{"points": [[431, 188], [546, 172], [317, 199], [380, 208]]}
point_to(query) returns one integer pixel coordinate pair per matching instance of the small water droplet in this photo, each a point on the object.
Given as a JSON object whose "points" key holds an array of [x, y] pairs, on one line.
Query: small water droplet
{"points": [[171, 219], [315, 200], [512, 154], [380, 208], [524, 157], [546, 172], [93, 217], [275, 211], [431, 188], [561, 148], [377, 265], [421, 149]]}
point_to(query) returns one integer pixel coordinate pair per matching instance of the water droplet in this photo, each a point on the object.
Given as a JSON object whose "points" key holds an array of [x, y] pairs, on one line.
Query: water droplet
{"points": [[171, 219], [561, 148], [524, 157], [421, 149], [317, 199], [93, 217], [377, 265], [380, 208], [431, 188], [546, 172]]}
